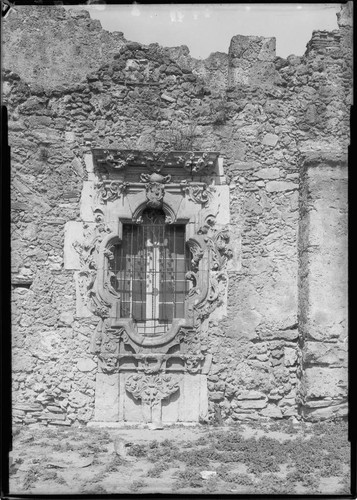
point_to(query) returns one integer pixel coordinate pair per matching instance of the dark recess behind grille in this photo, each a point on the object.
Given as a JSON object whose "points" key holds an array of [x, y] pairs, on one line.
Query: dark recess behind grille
{"points": [[149, 272]]}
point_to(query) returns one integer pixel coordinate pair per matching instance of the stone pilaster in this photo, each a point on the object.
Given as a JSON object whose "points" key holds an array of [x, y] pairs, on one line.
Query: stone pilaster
{"points": [[323, 286]]}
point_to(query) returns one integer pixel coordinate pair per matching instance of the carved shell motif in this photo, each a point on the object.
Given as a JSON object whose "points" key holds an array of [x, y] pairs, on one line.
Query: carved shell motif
{"points": [[151, 389]]}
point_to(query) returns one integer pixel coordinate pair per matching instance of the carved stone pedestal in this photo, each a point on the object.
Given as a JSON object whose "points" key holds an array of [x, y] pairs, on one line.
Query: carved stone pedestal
{"points": [[182, 398]]}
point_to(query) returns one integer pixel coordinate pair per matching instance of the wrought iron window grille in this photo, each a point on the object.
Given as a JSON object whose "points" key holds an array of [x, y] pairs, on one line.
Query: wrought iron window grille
{"points": [[148, 271]]}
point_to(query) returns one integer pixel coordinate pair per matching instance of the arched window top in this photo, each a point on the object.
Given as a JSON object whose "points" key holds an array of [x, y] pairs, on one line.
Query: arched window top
{"points": [[153, 216]]}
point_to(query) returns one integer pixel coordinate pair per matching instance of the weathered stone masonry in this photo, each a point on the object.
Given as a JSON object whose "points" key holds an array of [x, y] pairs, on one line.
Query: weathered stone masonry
{"points": [[278, 343]]}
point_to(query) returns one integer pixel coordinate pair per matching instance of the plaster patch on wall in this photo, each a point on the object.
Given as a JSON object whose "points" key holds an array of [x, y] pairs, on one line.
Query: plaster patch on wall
{"points": [[73, 234], [87, 195]]}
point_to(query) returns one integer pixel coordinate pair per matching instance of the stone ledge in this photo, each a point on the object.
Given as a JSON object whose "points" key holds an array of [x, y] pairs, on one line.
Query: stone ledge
{"points": [[140, 425], [324, 158]]}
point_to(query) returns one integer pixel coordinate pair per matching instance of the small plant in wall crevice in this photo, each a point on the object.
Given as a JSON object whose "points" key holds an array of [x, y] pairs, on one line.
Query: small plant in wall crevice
{"points": [[177, 138], [44, 154]]}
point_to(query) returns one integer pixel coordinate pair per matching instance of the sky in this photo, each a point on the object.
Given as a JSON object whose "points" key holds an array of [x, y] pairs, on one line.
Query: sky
{"points": [[207, 28]]}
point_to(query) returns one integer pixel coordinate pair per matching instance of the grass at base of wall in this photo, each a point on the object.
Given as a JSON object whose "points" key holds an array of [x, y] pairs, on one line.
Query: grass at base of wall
{"points": [[269, 458]]}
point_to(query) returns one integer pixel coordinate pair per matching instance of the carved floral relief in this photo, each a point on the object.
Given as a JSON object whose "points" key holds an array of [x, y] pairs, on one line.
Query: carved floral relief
{"points": [[119, 160], [151, 389]]}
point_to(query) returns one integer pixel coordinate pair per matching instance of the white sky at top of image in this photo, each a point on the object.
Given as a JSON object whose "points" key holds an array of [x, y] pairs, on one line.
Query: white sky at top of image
{"points": [[207, 28]]}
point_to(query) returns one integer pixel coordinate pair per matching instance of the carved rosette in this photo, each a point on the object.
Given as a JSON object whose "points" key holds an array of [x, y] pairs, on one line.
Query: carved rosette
{"points": [[151, 389]]}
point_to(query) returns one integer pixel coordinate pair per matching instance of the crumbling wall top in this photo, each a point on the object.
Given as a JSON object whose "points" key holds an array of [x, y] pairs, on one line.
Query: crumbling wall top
{"points": [[345, 16], [253, 48]]}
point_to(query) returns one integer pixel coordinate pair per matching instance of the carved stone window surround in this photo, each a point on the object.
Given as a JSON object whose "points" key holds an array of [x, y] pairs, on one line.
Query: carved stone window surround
{"points": [[187, 196], [109, 297]]}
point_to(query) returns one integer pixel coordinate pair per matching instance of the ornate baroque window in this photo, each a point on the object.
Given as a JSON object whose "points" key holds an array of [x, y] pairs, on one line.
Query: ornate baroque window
{"points": [[154, 270]]}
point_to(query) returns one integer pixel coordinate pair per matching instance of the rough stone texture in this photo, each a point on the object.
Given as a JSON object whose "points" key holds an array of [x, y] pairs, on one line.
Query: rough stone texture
{"points": [[284, 334], [66, 59], [86, 365]]}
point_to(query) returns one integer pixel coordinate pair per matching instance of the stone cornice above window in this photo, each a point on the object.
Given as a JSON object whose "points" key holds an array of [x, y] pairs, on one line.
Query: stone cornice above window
{"points": [[110, 162]]}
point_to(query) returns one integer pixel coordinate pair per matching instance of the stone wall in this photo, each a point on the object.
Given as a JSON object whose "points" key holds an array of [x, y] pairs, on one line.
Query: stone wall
{"points": [[265, 115], [323, 291], [54, 46]]}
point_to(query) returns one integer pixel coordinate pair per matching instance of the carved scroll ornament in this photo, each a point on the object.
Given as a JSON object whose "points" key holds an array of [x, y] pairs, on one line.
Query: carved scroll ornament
{"points": [[192, 275], [217, 241], [220, 250], [106, 342], [110, 190], [198, 193], [197, 253], [89, 252]]}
